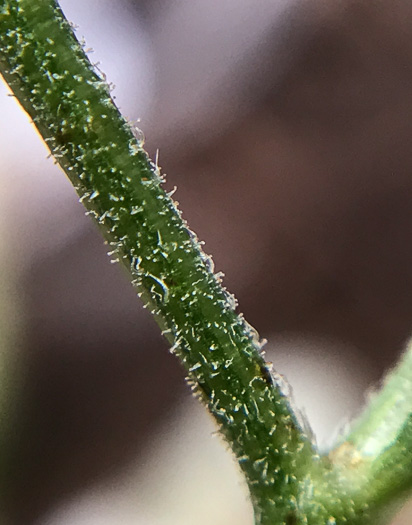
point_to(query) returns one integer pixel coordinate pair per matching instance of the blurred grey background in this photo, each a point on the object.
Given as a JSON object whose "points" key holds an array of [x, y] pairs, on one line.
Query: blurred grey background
{"points": [[286, 126]]}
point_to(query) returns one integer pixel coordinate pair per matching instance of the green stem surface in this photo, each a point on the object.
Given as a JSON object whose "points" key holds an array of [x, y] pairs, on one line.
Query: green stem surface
{"points": [[381, 439], [290, 484], [70, 105]]}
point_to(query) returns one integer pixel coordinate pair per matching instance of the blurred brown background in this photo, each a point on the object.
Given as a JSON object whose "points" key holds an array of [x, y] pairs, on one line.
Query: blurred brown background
{"points": [[287, 128]]}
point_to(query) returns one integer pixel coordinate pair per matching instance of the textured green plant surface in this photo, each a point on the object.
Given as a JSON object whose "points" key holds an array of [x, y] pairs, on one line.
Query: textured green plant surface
{"points": [[290, 483]]}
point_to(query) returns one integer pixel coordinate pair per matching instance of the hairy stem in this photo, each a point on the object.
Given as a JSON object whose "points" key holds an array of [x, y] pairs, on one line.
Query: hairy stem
{"points": [[70, 105]]}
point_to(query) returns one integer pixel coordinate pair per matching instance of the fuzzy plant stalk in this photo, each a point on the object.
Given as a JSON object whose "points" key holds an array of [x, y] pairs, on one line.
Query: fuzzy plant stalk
{"points": [[290, 483]]}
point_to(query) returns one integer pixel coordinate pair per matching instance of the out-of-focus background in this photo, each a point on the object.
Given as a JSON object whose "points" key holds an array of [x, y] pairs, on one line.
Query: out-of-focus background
{"points": [[286, 126]]}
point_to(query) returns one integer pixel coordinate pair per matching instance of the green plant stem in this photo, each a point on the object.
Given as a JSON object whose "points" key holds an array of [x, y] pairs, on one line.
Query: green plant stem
{"points": [[121, 188], [382, 438], [368, 475], [70, 105]]}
